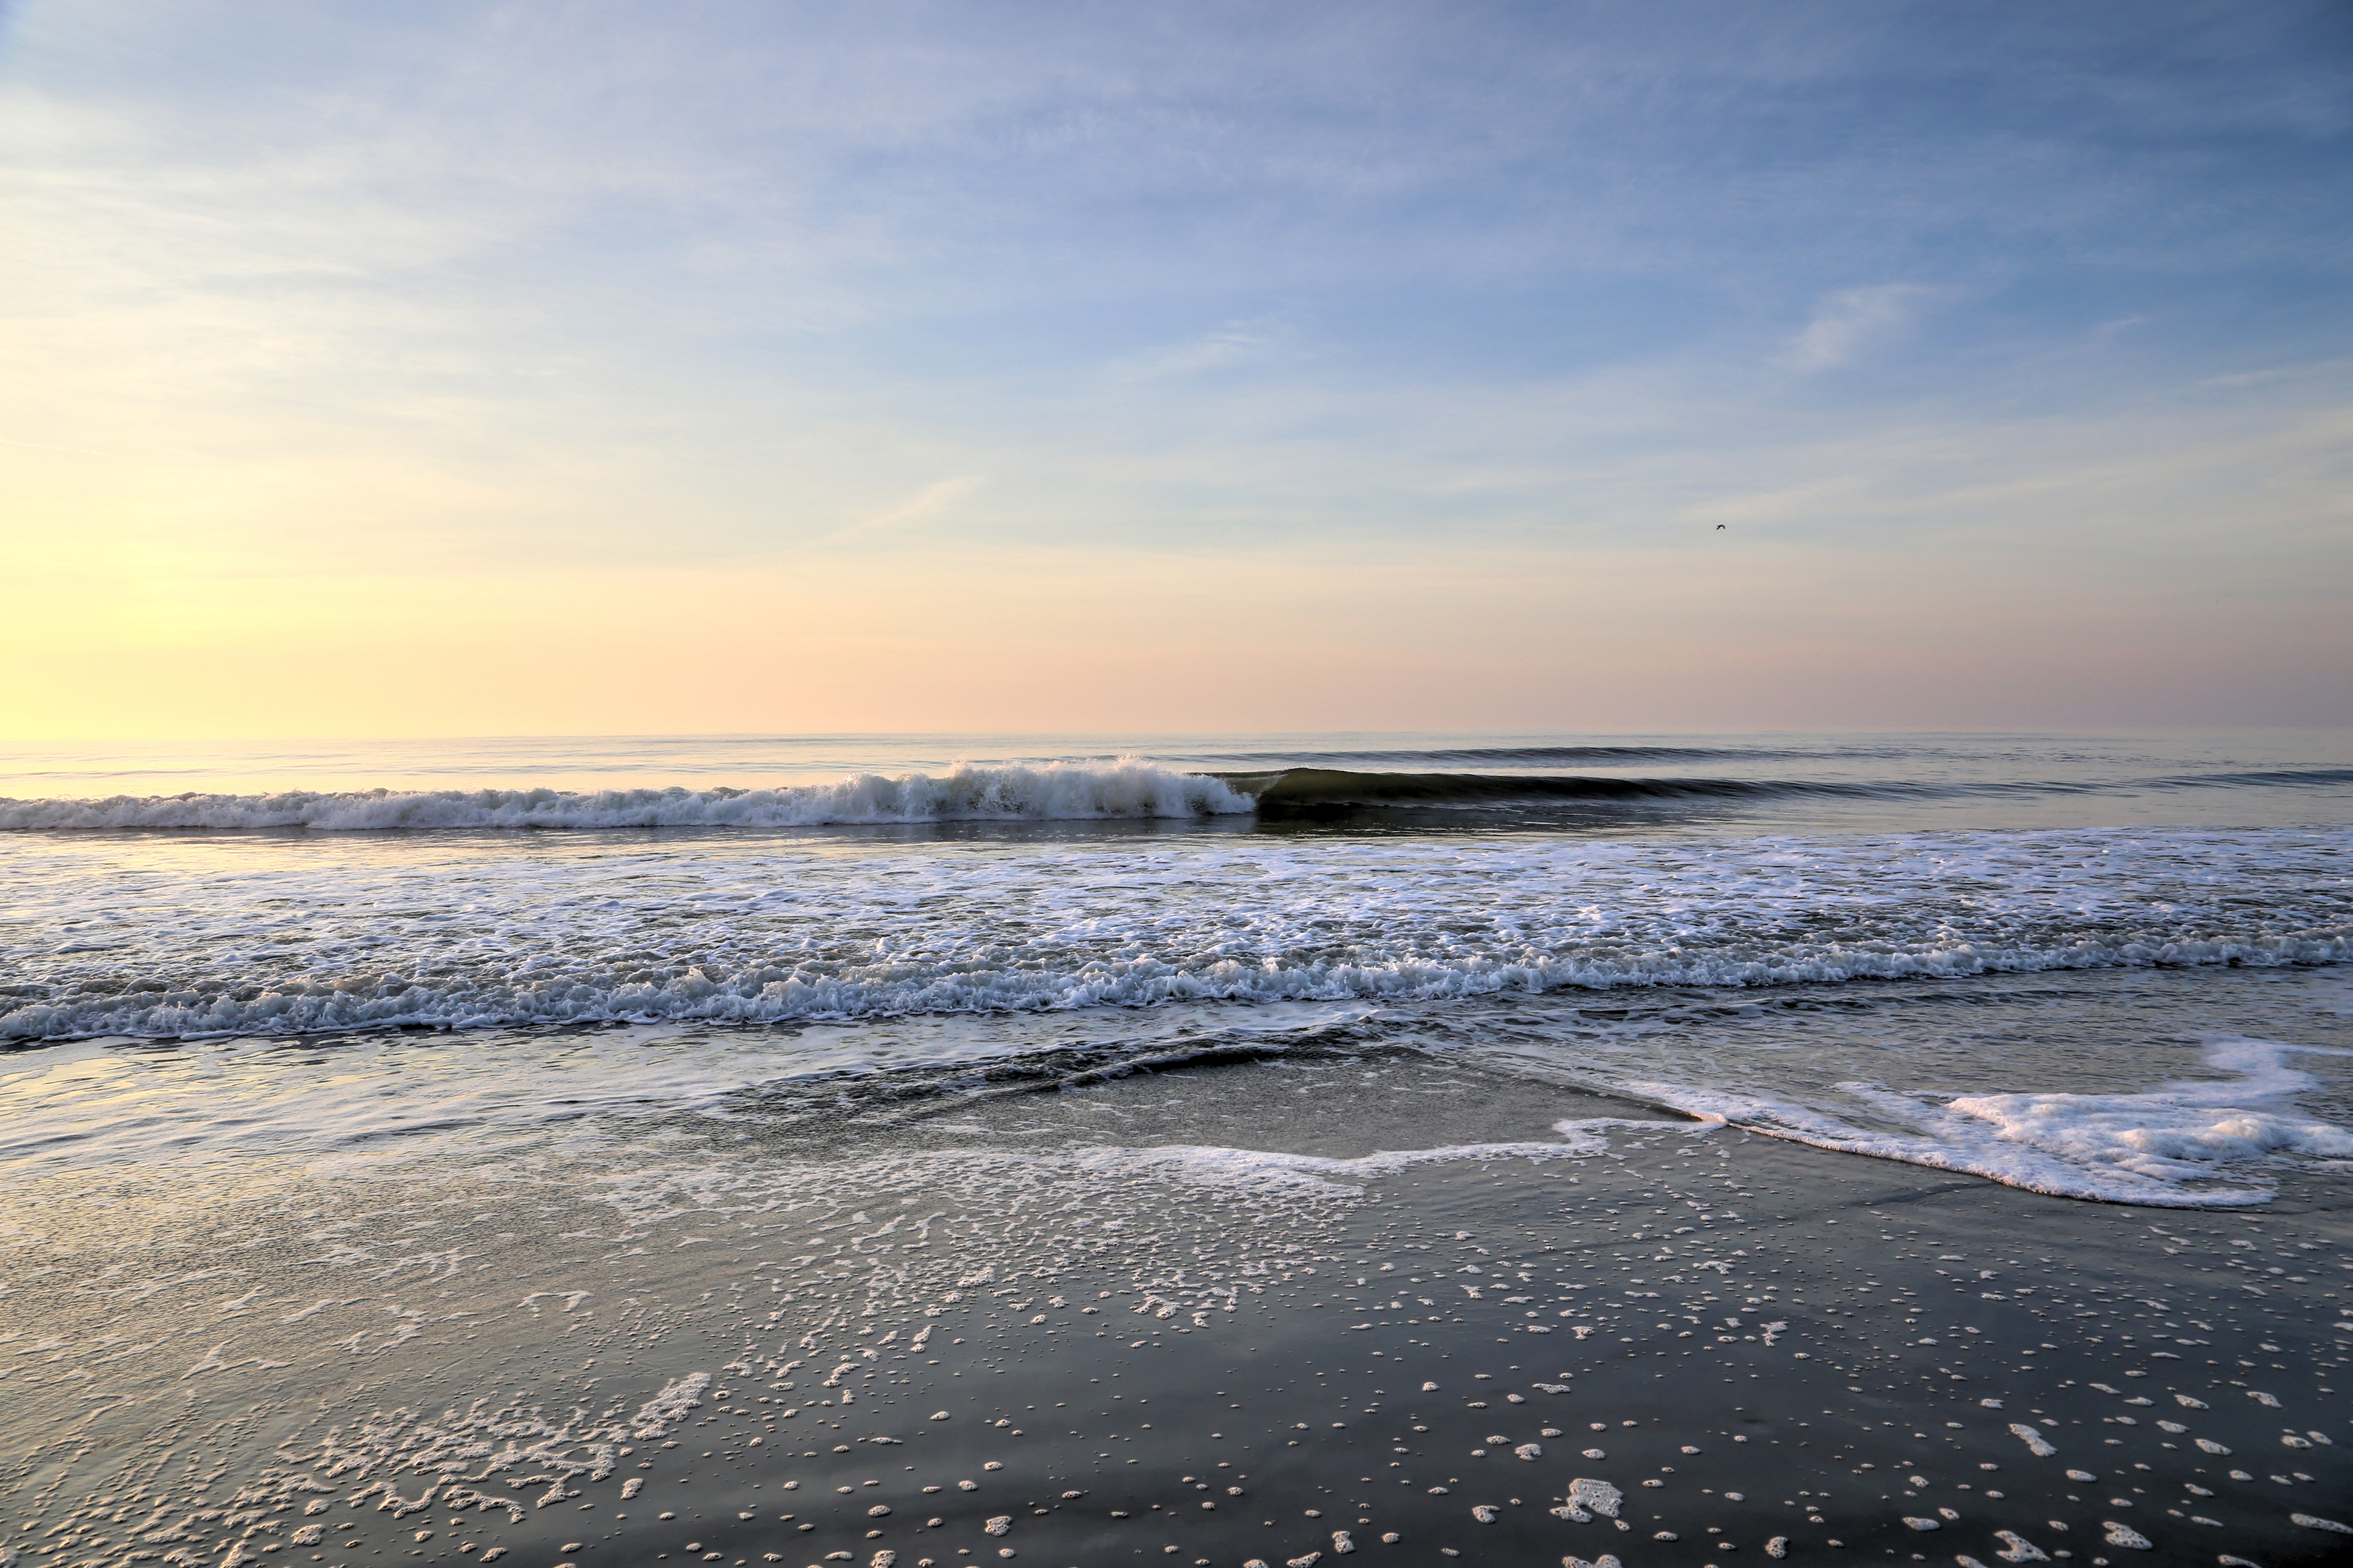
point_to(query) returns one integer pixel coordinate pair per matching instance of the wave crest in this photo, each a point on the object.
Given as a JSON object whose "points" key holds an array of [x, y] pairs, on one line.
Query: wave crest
{"points": [[1058, 791], [1052, 793]]}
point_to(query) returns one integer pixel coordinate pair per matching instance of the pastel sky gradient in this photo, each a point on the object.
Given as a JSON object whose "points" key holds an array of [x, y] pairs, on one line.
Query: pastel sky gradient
{"points": [[589, 366]]}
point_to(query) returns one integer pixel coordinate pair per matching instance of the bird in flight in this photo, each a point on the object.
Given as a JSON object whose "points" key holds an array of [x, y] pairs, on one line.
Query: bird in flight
{"points": [[1719, 528]]}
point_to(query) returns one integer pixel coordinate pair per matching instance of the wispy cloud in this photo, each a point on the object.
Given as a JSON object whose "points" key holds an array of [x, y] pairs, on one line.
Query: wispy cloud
{"points": [[932, 502], [2280, 372], [1854, 322], [1234, 343]]}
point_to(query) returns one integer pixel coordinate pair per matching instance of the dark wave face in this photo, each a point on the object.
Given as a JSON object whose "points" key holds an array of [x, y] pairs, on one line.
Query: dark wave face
{"points": [[2272, 778], [1308, 790], [1548, 756]]}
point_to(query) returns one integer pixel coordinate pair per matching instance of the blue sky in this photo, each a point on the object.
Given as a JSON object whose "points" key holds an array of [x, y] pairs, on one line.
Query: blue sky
{"points": [[879, 366]]}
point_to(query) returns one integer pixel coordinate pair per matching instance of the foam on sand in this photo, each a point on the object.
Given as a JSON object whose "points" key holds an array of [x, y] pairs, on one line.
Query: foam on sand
{"points": [[2164, 1146], [1310, 1174]]}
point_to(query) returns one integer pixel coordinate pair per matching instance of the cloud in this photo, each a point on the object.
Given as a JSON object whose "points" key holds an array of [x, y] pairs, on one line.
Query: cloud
{"points": [[1233, 343], [2278, 373], [921, 506], [1853, 321]]}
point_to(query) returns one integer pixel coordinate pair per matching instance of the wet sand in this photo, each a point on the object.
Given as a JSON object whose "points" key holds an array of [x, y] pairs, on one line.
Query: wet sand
{"points": [[1659, 1342]]}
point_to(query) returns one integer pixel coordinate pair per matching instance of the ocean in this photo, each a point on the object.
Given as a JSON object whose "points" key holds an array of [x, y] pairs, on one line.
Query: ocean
{"points": [[414, 1147]]}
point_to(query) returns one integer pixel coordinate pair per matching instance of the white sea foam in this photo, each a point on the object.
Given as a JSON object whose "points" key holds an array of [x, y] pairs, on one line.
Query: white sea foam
{"points": [[194, 936], [1053, 792], [668, 1407], [1308, 1175], [2165, 1146]]}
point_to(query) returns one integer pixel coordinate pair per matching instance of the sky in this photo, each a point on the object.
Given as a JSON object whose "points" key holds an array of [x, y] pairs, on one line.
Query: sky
{"points": [[588, 367]]}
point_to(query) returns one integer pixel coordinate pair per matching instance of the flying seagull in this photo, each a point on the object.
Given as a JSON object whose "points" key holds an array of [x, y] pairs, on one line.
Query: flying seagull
{"points": [[1719, 528]]}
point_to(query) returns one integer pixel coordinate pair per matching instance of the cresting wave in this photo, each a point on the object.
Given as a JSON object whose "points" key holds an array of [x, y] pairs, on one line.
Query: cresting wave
{"points": [[1052, 793], [1315, 789]]}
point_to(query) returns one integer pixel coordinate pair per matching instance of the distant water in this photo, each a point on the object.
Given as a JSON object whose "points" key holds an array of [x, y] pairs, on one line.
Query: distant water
{"points": [[2108, 965]]}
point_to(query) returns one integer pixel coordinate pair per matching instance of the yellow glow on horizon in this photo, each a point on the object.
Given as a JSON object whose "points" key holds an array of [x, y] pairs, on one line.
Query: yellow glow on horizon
{"points": [[344, 396], [117, 641]]}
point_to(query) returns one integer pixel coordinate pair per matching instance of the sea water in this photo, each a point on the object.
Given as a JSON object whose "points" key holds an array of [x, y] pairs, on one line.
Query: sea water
{"points": [[2038, 951], [329, 1055]]}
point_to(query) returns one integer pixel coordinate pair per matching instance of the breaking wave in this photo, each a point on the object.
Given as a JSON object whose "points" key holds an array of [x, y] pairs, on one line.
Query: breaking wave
{"points": [[1050, 793], [775, 994]]}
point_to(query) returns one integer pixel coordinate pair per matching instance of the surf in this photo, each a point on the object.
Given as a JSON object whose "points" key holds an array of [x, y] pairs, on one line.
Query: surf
{"points": [[1053, 792]]}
